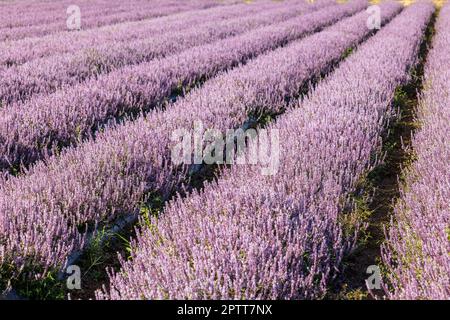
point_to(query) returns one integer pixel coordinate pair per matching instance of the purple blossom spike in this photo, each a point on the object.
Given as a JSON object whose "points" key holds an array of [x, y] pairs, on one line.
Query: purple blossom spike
{"points": [[249, 236], [418, 239]]}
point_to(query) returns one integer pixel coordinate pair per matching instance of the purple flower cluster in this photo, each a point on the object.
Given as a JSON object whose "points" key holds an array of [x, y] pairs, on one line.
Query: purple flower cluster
{"points": [[45, 75], [418, 242], [21, 51], [30, 130], [248, 236], [103, 179], [44, 21], [23, 14]]}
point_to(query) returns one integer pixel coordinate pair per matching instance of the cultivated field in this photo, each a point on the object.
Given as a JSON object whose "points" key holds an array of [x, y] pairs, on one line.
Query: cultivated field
{"points": [[224, 149]]}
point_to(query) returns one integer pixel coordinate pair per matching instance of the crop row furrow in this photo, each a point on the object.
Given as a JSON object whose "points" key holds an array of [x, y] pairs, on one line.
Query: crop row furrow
{"points": [[21, 51], [32, 14], [139, 12], [282, 239], [101, 180], [417, 247], [28, 132], [44, 76]]}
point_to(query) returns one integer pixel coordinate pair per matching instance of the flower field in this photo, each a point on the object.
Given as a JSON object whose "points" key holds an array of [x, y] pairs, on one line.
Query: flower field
{"points": [[224, 150]]}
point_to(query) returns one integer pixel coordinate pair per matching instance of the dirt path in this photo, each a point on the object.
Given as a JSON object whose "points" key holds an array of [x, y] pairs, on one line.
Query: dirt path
{"points": [[385, 181]]}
